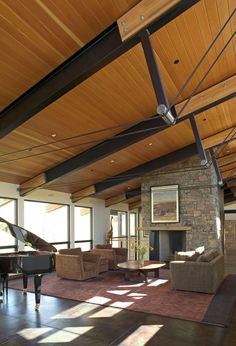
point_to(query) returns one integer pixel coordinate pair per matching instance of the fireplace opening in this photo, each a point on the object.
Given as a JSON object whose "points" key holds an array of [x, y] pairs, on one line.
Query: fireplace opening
{"points": [[166, 243]]}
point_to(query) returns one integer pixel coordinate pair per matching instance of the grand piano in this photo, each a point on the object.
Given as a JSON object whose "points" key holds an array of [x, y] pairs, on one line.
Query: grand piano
{"points": [[36, 263]]}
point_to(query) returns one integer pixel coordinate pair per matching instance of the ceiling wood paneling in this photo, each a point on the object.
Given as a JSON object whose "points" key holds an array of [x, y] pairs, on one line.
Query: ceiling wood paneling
{"points": [[38, 35]]}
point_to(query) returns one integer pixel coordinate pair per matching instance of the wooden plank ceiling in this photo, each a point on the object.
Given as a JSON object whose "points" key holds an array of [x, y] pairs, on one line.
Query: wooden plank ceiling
{"points": [[38, 35]]}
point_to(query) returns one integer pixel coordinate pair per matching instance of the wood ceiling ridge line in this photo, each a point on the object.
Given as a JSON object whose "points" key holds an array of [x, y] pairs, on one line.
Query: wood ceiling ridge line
{"points": [[99, 52], [104, 148]]}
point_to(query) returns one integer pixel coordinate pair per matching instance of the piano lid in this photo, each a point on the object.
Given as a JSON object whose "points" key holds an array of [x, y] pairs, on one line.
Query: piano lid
{"points": [[25, 236]]}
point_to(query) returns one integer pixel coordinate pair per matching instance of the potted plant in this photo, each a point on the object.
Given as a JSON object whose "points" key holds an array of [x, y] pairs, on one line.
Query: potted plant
{"points": [[142, 248]]}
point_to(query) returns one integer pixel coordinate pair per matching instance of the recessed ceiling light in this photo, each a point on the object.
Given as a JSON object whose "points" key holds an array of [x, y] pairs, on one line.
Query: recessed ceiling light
{"points": [[150, 144], [112, 161], [128, 187], [53, 135]]}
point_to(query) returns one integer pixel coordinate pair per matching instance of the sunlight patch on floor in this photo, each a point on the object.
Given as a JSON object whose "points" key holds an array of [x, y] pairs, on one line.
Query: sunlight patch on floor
{"points": [[137, 295], [75, 311], [105, 312], [33, 333], [121, 305], [132, 285], [98, 300], [141, 336], [59, 337], [158, 282], [119, 292], [78, 330]]}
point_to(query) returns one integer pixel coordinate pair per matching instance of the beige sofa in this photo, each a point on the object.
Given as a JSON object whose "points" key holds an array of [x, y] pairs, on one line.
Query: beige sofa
{"points": [[197, 276]]}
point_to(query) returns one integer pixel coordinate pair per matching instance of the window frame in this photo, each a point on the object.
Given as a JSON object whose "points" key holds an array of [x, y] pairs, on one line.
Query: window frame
{"points": [[16, 244], [114, 212], [91, 225]]}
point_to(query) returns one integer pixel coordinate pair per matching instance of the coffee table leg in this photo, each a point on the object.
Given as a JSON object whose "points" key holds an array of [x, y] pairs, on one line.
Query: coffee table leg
{"points": [[127, 275], [156, 273], [145, 273]]}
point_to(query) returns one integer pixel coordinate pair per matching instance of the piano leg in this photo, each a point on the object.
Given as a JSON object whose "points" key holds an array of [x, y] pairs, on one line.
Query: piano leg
{"points": [[37, 288], [25, 283], [1, 287], [5, 282]]}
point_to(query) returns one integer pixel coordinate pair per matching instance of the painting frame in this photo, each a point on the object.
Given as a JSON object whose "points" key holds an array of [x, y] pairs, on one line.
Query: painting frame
{"points": [[165, 204]]}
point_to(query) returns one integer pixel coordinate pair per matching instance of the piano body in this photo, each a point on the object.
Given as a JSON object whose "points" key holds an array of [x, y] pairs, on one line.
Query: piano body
{"points": [[35, 263]]}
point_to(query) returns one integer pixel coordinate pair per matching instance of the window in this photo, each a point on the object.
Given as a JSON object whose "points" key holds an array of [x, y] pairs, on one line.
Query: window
{"points": [[83, 227], [7, 212], [118, 221], [49, 221]]}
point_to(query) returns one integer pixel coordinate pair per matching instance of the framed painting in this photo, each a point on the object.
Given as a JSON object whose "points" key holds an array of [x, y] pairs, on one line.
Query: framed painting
{"points": [[165, 204]]}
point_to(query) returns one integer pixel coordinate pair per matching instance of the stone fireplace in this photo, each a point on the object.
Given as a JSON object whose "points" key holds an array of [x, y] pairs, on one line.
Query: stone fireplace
{"points": [[201, 208]]}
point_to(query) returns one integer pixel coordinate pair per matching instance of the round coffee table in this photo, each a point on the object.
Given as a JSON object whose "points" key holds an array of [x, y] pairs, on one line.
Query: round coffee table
{"points": [[143, 267]]}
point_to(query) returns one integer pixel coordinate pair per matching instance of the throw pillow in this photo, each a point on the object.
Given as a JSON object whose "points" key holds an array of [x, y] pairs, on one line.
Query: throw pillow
{"points": [[200, 250], [186, 256], [207, 257]]}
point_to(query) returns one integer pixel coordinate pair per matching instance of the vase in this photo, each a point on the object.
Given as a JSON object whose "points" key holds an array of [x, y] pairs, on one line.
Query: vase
{"points": [[141, 260]]}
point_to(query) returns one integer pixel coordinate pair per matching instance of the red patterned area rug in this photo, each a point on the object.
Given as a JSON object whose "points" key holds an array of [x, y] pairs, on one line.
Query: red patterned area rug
{"points": [[110, 289]]}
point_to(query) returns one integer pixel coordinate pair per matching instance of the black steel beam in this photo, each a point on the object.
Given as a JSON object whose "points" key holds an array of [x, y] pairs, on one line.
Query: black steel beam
{"points": [[217, 170], [232, 211], [153, 68], [200, 147], [128, 137], [227, 192], [133, 193], [160, 162], [229, 199], [99, 52]]}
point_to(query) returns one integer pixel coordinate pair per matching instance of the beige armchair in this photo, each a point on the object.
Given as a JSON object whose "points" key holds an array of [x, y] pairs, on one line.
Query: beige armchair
{"points": [[114, 255], [74, 264]]}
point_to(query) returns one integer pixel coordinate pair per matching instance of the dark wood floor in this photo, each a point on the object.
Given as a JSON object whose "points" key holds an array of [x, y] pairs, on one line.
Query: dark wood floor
{"points": [[65, 322]]}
